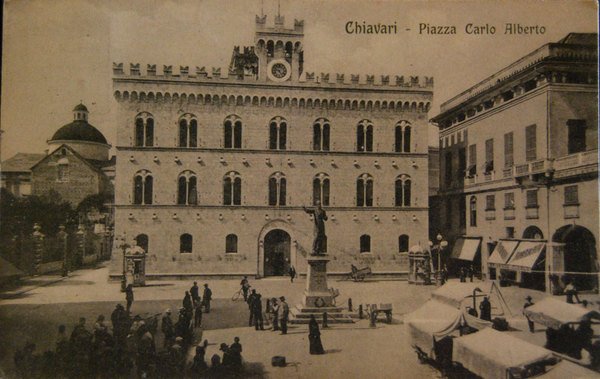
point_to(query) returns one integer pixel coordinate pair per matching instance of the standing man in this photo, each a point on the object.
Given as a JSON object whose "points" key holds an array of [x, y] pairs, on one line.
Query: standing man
{"points": [[284, 313], [167, 329], [206, 298], [275, 313], [245, 287], [197, 315], [129, 297], [292, 272], [195, 294], [250, 302], [485, 308], [257, 312], [528, 303], [319, 218]]}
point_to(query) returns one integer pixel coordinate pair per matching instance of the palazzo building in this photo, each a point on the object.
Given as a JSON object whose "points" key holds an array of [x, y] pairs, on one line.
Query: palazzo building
{"points": [[519, 168], [214, 168]]}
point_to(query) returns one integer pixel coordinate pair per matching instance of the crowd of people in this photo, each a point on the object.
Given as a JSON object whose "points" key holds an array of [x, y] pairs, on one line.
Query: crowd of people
{"points": [[276, 311], [129, 347]]}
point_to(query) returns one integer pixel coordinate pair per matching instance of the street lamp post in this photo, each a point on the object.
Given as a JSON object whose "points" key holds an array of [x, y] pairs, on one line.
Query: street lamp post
{"points": [[124, 247], [441, 244]]}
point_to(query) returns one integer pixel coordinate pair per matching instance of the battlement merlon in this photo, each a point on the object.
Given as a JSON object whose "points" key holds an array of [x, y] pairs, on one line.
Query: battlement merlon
{"points": [[278, 26], [325, 80]]}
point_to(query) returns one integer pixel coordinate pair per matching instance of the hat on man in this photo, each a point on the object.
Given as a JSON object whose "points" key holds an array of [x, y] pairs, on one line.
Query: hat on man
{"points": [[528, 297], [282, 298], [205, 284], [179, 339], [168, 310]]}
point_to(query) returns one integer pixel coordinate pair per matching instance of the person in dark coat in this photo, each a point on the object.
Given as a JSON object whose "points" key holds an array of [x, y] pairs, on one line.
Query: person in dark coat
{"points": [[571, 292], [195, 294], [292, 272], [227, 358], [168, 329], [199, 365], [529, 303], [197, 315], [314, 337], [129, 296], [463, 275], [471, 272], [250, 301], [485, 308], [236, 353], [257, 312], [187, 302], [284, 314], [206, 298], [245, 287]]}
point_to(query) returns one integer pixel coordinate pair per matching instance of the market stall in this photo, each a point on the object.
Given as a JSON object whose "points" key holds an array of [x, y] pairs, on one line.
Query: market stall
{"points": [[554, 313], [496, 355]]}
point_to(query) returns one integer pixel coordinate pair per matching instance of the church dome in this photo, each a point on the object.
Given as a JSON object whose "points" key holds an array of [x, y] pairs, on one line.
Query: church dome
{"points": [[79, 129]]}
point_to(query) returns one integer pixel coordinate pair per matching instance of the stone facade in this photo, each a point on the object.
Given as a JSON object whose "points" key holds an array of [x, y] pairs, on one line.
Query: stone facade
{"points": [[68, 174], [282, 112], [518, 154]]}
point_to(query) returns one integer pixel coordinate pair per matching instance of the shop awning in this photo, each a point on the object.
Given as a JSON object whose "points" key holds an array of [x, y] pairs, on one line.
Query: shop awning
{"points": [[502, 253], [432, 322], [525, 255], [554, 313], [490, 354], [466, 248]]}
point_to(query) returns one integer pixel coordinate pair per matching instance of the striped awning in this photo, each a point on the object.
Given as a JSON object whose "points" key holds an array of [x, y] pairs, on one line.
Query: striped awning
{"points": [[502, 253]]}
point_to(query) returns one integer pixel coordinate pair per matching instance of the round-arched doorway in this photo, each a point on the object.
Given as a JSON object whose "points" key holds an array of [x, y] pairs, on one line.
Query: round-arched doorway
{"points": [[277, 253], [533, 232], [579, 255]]}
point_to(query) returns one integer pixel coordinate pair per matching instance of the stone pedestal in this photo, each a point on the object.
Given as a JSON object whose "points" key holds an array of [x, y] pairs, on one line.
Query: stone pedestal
{"points": [[317, 297]]}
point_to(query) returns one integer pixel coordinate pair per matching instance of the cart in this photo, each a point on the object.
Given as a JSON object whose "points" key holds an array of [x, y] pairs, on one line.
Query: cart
{"points": [[359, 274]]}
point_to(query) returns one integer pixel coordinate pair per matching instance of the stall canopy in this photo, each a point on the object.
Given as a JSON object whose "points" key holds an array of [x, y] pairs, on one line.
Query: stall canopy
{"points": [[490, 354], [554, 313], [526, 255], [457, 295], [432, 322], [466, 248], [502, 253]]}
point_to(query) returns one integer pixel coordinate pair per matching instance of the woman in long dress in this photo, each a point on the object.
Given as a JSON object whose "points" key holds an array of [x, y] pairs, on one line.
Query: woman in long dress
{"points": [[314, 337]]}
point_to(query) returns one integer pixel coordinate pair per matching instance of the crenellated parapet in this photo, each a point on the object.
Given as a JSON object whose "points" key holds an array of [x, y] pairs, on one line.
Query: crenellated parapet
{"points": [[308, 78]]}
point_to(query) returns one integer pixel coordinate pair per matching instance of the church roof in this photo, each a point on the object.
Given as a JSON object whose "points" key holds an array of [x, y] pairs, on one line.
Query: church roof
{"points": [[21, 162], [79, 130], [80, 107]]}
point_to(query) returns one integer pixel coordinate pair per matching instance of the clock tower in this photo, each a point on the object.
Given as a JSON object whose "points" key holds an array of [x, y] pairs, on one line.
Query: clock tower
{"points": [[279, 50]]}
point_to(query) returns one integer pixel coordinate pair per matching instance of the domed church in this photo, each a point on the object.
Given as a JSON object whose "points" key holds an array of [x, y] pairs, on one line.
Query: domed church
{"points": [[76, 165]]}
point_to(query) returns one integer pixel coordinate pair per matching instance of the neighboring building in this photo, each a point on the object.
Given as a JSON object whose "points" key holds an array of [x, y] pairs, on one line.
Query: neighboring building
{"points": [[519, 167], [213, 170], [435, 202], [77, 164], [16, 173]]}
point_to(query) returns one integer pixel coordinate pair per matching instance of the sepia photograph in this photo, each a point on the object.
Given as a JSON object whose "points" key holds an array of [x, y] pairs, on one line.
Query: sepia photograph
{"points": [[299, 189]]}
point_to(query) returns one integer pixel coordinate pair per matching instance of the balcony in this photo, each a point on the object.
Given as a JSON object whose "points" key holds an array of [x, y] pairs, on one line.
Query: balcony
{"points": [[573, 164], [532, 168]]}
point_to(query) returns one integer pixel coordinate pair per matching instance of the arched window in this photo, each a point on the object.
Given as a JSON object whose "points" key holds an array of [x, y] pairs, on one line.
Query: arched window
{"points": [[277, 188], [403, 190], [473, 210], [364, 136], [186, 243], [364, 191], [402, 144], [142, 187], [270, 48], [277, 133], [232, 130], [232, 189], [144, 130], [321, 135], [188, 131], [403, 243], [365, 243], [321, 189], [187, 188], [231, 243], [142, 241]]}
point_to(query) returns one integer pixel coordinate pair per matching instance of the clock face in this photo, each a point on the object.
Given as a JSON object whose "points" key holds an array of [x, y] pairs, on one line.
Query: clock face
{"points": [[279, 70]]}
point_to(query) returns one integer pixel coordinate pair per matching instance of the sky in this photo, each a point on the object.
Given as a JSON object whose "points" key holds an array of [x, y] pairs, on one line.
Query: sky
{"points": [[57, 53]]}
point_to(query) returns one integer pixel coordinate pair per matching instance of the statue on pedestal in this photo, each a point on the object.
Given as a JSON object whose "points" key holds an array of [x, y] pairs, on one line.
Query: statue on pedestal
{"points": [[319, 218]]}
